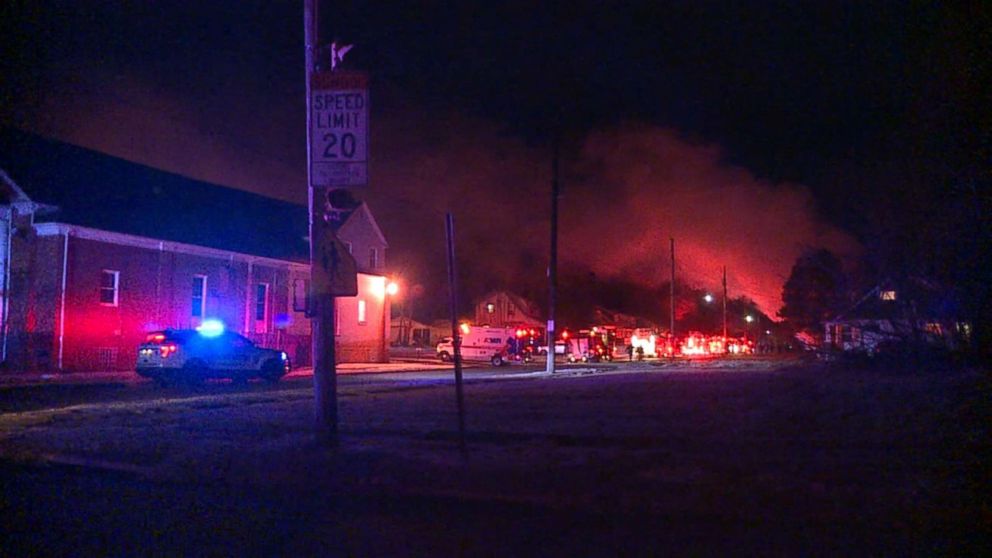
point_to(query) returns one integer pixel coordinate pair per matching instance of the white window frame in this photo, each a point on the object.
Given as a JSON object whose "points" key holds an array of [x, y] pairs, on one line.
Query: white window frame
{"points": [[116, 288], [203, 299], [362, 312], [348, 246], [373, 258], [262, 324]]}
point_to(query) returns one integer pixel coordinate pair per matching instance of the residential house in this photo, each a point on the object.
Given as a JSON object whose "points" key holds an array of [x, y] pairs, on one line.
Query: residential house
{"points": [[98, 251], [505, 309], [912, 310]]}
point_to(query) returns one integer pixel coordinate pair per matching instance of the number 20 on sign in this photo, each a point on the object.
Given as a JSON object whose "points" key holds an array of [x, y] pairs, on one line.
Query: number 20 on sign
{"points": [[339, 129]]}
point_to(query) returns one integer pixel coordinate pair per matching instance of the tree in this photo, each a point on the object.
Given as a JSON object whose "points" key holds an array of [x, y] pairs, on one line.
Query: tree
{"points": [[815, 290]]}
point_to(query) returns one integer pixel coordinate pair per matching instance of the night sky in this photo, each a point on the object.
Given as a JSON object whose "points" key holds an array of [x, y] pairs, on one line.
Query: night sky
{"points": [[748, 131]]}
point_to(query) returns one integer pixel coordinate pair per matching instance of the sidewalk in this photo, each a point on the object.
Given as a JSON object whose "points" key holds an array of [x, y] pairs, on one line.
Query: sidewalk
{"points": [[15, 378]]}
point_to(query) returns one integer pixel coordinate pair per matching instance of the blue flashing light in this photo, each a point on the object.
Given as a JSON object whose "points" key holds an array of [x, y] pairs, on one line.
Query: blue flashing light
{"points": [[283, 355], [282, 320], [211, 328]]}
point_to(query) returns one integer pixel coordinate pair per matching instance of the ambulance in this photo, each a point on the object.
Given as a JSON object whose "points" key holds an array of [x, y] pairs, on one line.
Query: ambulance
{"points": [[495, 345]]}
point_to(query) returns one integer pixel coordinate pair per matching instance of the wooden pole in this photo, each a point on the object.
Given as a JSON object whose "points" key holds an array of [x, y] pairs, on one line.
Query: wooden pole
{"points": [[553, 260], [672, 293], [322, 325], [456, 340], [725, 306]]}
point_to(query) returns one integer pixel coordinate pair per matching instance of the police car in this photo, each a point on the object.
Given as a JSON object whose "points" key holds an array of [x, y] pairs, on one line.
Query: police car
{"points": [[191, 355]]}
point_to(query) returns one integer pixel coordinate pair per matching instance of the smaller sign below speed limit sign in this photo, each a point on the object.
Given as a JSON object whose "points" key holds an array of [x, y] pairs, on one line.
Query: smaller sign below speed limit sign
{"points": [[339, 129]]}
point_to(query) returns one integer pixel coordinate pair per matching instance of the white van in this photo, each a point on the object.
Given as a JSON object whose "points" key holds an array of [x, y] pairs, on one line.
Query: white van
{"points": [[486, 344]]}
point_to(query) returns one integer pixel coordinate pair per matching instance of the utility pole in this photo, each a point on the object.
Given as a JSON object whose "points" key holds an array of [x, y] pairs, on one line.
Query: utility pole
{"points": [[553, 260], [724, 306], [322, 325], [672, 292], [456, 337]]}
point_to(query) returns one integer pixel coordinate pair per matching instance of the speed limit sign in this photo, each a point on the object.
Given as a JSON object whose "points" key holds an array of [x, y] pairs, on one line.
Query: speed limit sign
{"points": [[339, 129]]}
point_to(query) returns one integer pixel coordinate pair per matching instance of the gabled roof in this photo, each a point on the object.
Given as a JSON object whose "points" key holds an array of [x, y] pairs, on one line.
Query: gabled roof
{"points": [[10, 192], [605, 316], [526, 307], [96, 190], [356, 214], [914, 298]]}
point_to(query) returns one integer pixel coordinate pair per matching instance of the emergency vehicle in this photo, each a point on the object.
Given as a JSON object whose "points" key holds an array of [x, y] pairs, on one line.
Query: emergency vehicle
{"points": [[209, 351], [587, 346], [496, 345]]}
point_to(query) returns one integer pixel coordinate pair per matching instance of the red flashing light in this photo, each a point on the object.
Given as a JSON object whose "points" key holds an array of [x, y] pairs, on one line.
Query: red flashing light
{"points": [[166, 350], [521, 333], [564, 334], [155, 338]]}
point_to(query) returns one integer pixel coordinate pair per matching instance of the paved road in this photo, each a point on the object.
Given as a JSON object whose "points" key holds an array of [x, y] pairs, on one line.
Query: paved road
{"points": [[28, 396], [798, 462], [67, 511]]}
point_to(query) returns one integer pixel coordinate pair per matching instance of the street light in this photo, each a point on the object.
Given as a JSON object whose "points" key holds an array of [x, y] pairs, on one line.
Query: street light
{"points": [[708, 298], [747, 328]]}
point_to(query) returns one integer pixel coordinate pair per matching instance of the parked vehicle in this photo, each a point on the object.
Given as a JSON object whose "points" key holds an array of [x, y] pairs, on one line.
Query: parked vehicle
{"points": [[193, 355], [496, 345], [587, 349]]}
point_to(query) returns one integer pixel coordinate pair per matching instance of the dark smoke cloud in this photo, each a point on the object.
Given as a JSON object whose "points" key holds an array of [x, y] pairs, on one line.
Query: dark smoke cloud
{"points": [[643, 185], [626, 190]]}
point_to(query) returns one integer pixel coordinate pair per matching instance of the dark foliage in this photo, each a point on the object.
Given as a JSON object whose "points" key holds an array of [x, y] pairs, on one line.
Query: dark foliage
{"points": [[815, 290]]}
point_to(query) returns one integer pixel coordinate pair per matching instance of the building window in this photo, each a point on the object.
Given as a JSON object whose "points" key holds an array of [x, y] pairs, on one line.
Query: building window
{"points": [[199, 296], [373, 258], [348, 246], [261, 307], [887, 295], [361, 312], [490, 307], [109, 287], [300, 295]]}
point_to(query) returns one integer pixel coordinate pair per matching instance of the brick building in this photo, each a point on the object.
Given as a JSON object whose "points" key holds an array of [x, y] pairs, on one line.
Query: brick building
{"points": [[96, 251]]}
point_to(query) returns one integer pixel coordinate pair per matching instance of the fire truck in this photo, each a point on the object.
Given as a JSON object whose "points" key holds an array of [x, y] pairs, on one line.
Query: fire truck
{"points": [[588, 345]]}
